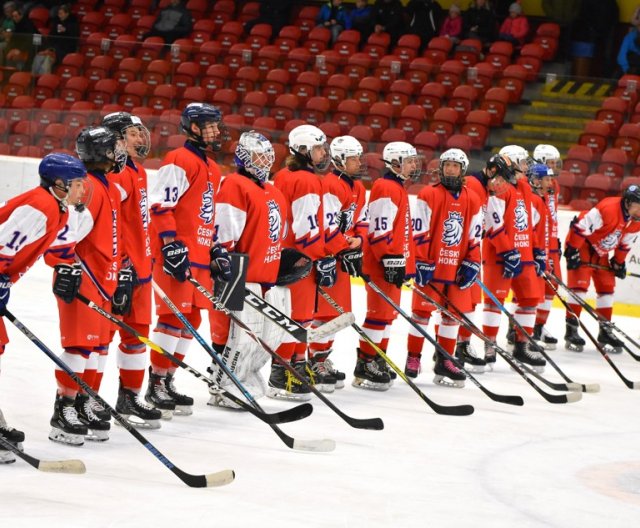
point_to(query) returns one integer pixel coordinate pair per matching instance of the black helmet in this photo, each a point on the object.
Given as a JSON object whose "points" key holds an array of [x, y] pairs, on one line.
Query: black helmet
{"points": [[500, 166], [120, 121], [632, 194], [201, 114], [100, 145]]}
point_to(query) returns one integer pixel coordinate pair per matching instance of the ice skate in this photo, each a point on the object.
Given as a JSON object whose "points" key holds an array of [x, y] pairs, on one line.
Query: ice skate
{"points": [[511, 334], [572, 340], [183, 403], [283, 385], [158, 396], [544, 338], [136, 412], [384, 367], [490, 354], [98, 430], [367, 375], [11, 435], [324, 381], [466, 354], [412, 367], [447, 374], [338, 375], [66, 426], [609, 340], [525, 354]]}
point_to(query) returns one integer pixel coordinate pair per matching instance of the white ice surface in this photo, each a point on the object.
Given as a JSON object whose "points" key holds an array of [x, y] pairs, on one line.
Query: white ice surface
{"points": [[537, 465]]}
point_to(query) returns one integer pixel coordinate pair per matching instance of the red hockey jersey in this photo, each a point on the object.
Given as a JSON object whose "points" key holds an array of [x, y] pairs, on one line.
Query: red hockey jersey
{"points": [[447, 229], [551, 201], [540, 222], [181, 196], [606, 227], [29, 224], [389, 225], [251, 218], [305, 215]]}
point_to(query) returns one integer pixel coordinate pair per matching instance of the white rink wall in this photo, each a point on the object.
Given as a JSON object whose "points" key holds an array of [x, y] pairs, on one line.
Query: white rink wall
{"points": [[21, 174]]}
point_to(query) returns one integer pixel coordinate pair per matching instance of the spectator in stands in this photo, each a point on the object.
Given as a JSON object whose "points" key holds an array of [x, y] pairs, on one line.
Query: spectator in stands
{"points": [[64, 32], [20, 47], [562, 13], [629, 54], [596, 23], [388, 17], [362, 19], [6, 27], [452, 25], [515, 27], [635, 18], [335, 17], [274, 12], [480, 22], [425, 18], [173, 22]]}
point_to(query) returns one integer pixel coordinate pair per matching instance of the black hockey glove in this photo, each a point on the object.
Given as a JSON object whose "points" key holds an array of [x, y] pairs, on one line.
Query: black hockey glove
{"points": [[66, 282], [220, 263], [5, 289], [559, 248], [512, 262], [467, 273], [325, 271], [540, 261], [572, 255], [351, 261], [424, 272], [394, 269], [176, 260], [619, 270], [123, 296]]}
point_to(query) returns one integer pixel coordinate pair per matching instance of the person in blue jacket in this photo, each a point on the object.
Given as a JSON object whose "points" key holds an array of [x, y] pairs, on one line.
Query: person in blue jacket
{"points": [[629, 54], [335, 17]]}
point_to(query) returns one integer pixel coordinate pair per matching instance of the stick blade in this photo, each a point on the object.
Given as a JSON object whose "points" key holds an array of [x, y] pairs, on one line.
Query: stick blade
{"points": [[62, 466], [315, 446], [331, 327], [591, 387], [290, 415], [221, 478], [573, 397], [574, 387]]}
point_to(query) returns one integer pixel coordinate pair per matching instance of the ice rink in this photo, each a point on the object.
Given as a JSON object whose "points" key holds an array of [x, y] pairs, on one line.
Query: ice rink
{"points": [[538, 465]]}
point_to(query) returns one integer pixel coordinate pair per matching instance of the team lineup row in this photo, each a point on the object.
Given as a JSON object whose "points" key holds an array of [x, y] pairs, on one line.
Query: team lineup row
{"points": [[295, 240]]}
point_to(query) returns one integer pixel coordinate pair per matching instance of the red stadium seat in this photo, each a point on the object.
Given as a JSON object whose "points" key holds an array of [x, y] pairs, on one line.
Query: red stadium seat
{"points": [[578, 160], [443, 123], [336, 89], [431, 97], [438, 49], [476, 126], [499, 55], [288, 39], [531, 57], [629, 140], [463, 100], [598, 186], [468, 51], [284, 109], [411, 120], [348, 114], [420, 71], [379, 119], [596, 137], [253, 106], [513, 80], [316, 110], [275, 84], [450, 75], [399, 95], [368, 91], [613, 162], [495, 102], [377, 45]]}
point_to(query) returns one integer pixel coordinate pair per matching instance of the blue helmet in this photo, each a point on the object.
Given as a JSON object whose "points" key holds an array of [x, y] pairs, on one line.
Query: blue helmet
{"points": [[536, 172], [58, 166], [201, 114]]}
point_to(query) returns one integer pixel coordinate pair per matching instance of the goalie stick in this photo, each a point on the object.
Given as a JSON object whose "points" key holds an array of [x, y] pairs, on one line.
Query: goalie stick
{"points": [[357, 423], [509, 400], [630, 384], [48, 466], [587, 307], [588, 387], [292, 443], [607, 268], [520, 368], [450, 410], [290, 415], [220, 478]]}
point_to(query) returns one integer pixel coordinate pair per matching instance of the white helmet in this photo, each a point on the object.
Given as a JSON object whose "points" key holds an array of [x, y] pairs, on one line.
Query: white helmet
{"points": [[515, 153], [303, 138], [453, 183], [546, 153], [396, 153], [255, 154], [344, 147]]}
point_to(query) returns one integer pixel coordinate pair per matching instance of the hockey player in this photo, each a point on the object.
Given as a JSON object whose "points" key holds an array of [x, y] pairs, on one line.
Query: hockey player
{"points": [[181, 197], [447, 233], [302, 188], [132, 298], [549, 156], [86, 259], [251, 219], [388, 259], [345, 211], [612, 225], [511, 258], [28, 225]]}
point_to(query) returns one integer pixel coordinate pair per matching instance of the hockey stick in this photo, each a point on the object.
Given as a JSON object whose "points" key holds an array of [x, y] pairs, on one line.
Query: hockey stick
{"points": [[290, 415], [510, 400], [194, 481], [48, 466], [630, 384], [589, 387], [299, 332], [520, 368], [451, 410], [587, 307], [607, 268], [358, 423]]}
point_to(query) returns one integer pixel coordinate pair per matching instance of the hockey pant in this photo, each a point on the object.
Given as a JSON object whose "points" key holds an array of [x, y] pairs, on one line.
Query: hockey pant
{"points": [[604, 282]]}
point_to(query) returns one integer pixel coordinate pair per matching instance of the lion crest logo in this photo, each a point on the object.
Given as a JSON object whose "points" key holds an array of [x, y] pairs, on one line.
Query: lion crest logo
{"points": [[611, 240], [452, 234], [522, 219], [206, 209], [275, 220]]}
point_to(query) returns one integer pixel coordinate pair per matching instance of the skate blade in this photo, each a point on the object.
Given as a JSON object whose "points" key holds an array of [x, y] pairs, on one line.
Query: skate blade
{"points": [[7, 457], [573, 347], [183, 410], [282, 394], [59, 436], [361, 383], [139, 423], [448, 382], [475, 369], [339, 384], [221, 402], [327, 388], [96, 436], [609, 349], [412, 375], [547, 346]]}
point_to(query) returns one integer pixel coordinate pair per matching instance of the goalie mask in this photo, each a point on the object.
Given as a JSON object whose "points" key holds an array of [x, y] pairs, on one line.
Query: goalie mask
{"points": [[309, 144], [255, 155], [403, 160], [453, 167], [346, 156]]}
